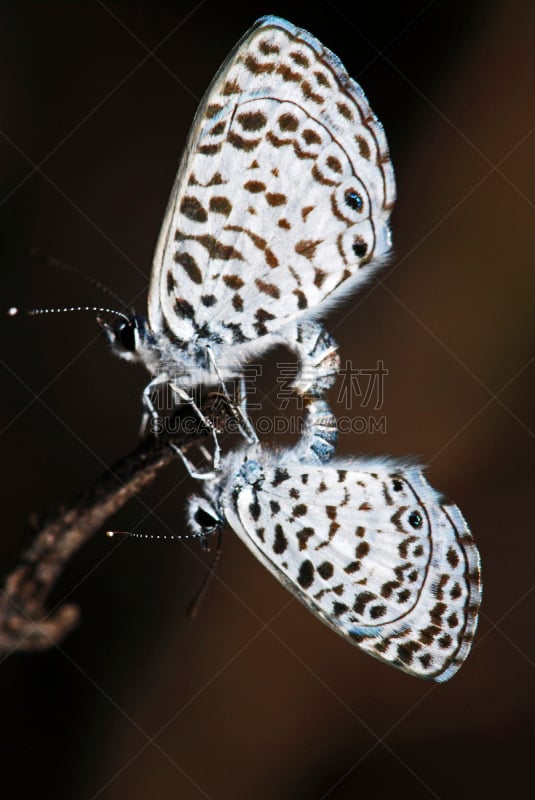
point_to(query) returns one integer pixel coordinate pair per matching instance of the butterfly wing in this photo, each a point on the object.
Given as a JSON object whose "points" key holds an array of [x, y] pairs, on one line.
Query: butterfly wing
{"points": [[282, 198], [374, 552]]}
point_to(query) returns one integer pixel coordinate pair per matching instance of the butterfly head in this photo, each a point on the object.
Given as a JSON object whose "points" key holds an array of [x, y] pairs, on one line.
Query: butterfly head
{"points": [[125, 335]]}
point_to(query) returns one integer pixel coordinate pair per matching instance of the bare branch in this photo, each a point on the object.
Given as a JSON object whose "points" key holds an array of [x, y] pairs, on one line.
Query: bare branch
{"points": [[25, 623]]}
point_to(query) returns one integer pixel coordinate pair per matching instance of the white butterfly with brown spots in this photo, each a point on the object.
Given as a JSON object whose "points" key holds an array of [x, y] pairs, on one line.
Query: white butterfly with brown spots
{"points": [[280, 207], [365, 543]]}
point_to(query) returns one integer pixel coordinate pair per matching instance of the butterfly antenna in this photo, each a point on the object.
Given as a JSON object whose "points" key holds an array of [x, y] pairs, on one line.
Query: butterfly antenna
{"points": [[112, 534], [34, 312], [193, 608], [133, 535], [50, 261]]}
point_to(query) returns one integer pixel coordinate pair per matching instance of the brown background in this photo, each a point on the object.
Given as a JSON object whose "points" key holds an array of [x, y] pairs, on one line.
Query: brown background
{"points": [[257, 698]]}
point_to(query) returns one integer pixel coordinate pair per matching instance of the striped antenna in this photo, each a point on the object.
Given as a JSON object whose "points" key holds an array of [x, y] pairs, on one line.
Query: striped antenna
{"points": [[134, 535], [34, 312]]}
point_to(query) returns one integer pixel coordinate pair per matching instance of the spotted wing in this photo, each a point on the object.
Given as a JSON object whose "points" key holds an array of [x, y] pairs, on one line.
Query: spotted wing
{"points": [[282, 198], [374, 552]]}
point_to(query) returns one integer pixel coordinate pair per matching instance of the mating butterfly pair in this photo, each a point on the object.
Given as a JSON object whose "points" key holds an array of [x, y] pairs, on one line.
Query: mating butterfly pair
{"points": [[280, 208]]}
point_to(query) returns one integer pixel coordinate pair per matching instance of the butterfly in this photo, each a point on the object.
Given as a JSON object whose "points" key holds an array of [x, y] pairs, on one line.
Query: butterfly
{"points": [[366, 544], [280, 207]]}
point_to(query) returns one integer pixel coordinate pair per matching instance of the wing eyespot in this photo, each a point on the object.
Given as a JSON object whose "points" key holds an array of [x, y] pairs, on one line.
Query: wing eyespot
{"points": [[359, 247], [415, 520], [353, 199]]}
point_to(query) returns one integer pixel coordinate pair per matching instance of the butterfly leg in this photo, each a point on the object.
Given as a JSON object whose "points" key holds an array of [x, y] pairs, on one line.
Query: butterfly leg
{"points": [[243, 410], [319, 362], [238, 410], [319, 433], [186, 398], [208, 456], [150, 414], [200, 476]]}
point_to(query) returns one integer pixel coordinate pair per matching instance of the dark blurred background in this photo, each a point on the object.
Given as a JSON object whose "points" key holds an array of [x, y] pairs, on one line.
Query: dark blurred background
{"points": [[256, 697]]}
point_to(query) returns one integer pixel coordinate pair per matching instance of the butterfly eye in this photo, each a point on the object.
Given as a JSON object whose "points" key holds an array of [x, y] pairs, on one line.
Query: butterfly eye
{"points": [[125, 333], [415, 519], [360, 248], [353, 200], [206, 522]]}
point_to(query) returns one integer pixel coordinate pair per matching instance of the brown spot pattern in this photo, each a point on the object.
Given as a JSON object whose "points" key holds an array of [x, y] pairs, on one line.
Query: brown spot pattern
{"points": [[322, 79], [307, 248], [280, 542], [305, 577], [268, 49], [231, 87], [171, 282], [267, 288], [299, 58], [288, 122], [361, 600], [218, 250], [334, 164], [302, 301], [317, 175], [237, 303], [406, 651], [344, 110], [319, 277], [240, 143], [303, 536], [364, 148], [311, 137], [209, 149], [218, 128], [233, 281], [339, 609], [262, 316], [220, 205], [212, 110], [280, 476], [252, 120], [326, 570], [310, 94], [257, 67], [276, 199], [288, 74], [377, 611], [456, 591], [184, 309], [388, 587], [362, 549], [189, 266], [254, 187], [452, 558], [192, 209]]}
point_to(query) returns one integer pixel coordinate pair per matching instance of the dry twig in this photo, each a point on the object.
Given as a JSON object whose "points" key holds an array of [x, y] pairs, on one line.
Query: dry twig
{"points": [[25, 624]]}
